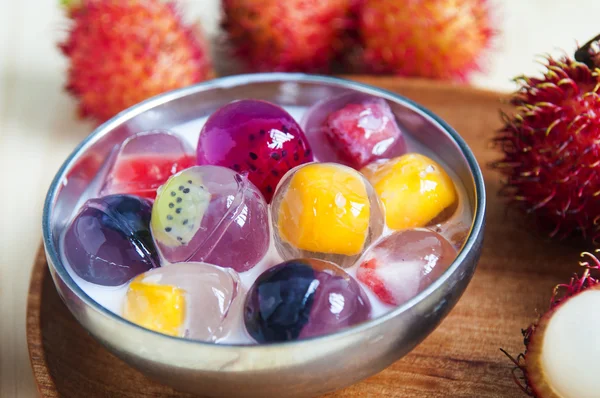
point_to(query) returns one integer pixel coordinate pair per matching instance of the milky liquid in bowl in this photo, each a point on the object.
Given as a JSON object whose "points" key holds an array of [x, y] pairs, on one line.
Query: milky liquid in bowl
{"points": [[454, 230]]}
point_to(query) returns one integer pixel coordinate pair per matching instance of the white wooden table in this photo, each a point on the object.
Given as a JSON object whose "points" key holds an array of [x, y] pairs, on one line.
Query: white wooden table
{"points": [[38, 127]]}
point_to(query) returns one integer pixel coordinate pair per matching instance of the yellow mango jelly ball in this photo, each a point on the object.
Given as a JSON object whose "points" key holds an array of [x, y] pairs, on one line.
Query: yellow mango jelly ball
{"points": [[413, 188], [326, 209], [157, 307]]}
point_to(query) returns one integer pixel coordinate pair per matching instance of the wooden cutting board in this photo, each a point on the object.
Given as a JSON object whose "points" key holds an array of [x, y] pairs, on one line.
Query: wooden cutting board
{"points": [[462, 358]]}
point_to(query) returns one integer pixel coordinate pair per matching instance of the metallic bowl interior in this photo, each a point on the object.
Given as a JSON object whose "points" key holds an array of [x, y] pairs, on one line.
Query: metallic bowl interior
{"points": [[302, 368]]}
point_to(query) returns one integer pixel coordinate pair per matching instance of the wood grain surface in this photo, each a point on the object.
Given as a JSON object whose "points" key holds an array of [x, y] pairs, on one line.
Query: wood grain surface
{"points": [[461, 358]]}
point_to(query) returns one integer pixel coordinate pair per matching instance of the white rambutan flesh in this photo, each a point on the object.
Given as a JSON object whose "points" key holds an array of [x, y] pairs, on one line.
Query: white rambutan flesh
{"points": [[563, 355], [572, 346], [562, 348]]}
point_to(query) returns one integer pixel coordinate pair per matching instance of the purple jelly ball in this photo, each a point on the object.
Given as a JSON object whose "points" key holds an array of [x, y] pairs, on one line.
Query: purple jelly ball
{"points": [[211, 214], [256, 138], [109, 242], [303, 298]]}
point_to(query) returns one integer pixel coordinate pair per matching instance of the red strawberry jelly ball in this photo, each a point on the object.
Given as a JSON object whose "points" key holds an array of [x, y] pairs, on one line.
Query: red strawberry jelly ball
{"points": [[404, 264], [145, 161], [142, 174], [353, 129], [255, 138]]}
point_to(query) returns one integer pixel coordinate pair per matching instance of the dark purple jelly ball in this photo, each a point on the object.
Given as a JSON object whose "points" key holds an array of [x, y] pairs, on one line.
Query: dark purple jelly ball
{"points": [[109, 241], [303, 298]]}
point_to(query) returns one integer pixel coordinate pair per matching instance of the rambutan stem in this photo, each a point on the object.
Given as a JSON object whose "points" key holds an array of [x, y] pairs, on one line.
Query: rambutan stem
{"points": [[589, 53]]}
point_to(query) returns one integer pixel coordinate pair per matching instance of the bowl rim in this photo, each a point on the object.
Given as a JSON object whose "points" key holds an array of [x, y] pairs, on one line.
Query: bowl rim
{"points": [[475, 231]]}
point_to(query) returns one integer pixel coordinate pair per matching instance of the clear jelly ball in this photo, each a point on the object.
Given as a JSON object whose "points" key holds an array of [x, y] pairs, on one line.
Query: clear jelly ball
{"points": [[326, 211]]}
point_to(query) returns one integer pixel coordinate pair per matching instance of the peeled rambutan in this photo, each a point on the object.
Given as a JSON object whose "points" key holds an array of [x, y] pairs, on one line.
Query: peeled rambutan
{"points": [[551, 148], [435, 39], [562, 347], [123, 52], [287, 36]]}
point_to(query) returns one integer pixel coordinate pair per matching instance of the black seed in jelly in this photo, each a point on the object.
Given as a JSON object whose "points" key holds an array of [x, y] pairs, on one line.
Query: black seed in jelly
{"points": [[275, 156], [253, 156]]}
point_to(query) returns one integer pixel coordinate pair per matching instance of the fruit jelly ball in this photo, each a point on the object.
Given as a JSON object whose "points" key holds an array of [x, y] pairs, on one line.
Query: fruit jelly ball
{"points": [[326, 211], [405, 263], [256, 138], [353, 129], [414, 189], [191, 300], [212, 214], [109, 241], [156, 307], [303, 298], [145, 161]]}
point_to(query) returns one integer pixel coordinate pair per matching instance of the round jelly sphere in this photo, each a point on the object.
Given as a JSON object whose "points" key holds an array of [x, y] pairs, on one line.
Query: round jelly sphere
{"points": [[256, 138], [145, 161], [353, 129], [109, 242], [404, 263], [211, 214], [415, 191], [193, 300], [326, 211], [303, 298]]}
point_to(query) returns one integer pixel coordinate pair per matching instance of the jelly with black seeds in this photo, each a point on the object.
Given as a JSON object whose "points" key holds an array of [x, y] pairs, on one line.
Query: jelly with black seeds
{"points": [[254, 138]]}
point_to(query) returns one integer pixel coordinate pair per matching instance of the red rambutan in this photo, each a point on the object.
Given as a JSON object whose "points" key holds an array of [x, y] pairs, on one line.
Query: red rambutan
{"points": [[562, 349], [435, 39], [287, 36], [123, 52], [551, 147]]}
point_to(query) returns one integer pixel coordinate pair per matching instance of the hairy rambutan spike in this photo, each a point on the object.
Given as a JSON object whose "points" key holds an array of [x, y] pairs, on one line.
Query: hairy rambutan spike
{"points": [[551, 148], [577, 283], [560, 294], [518, 372]]}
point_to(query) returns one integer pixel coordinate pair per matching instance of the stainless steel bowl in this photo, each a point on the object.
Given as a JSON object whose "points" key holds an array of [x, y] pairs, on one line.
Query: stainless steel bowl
{"points": [[295, 369]]}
